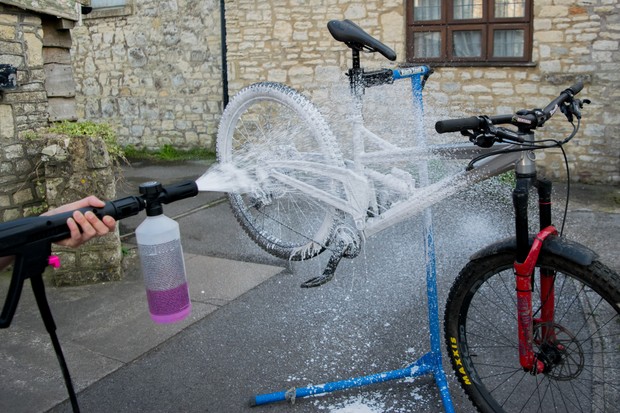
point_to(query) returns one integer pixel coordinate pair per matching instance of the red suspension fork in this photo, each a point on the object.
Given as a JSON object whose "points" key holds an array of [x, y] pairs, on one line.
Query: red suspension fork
{"points": [[547, 299], [524, 273], [524, 266]]}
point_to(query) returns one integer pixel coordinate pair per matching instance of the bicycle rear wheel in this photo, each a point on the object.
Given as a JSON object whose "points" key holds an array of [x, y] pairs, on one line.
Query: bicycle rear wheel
{"points": [[583, 360], [270, 122]]}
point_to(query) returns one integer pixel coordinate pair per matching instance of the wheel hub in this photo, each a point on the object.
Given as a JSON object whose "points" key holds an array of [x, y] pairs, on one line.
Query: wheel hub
{"points": [[559, 350]]}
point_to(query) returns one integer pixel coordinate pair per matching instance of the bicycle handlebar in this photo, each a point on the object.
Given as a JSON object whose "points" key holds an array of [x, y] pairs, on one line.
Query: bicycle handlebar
{"points": [[528, 119]]}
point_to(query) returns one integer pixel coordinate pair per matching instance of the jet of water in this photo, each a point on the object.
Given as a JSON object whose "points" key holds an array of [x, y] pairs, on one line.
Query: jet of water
{"points": [[225, 178]]}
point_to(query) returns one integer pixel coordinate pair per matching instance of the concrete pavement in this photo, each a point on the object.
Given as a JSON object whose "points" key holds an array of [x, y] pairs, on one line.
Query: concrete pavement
{"points": [[252, 329]]}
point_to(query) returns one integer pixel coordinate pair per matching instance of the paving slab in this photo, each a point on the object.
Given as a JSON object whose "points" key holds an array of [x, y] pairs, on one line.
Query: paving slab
{"points": [[103, 327]]}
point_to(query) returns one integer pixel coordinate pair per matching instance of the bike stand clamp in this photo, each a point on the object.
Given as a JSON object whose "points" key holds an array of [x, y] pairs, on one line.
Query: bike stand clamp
{"points": [[431, 362]]}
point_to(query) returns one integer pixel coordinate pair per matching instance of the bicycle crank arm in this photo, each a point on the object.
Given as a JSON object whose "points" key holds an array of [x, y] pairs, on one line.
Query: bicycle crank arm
{"points": [[348, 244], [328, 273]]}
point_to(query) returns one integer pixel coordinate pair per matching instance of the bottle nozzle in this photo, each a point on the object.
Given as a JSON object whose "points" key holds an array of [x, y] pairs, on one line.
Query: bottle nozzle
{"points": [[151, 192]]}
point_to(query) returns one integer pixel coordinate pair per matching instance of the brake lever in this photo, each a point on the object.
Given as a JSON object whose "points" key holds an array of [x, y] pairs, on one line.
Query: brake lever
{"points": [[573, 108], [485, 135]]}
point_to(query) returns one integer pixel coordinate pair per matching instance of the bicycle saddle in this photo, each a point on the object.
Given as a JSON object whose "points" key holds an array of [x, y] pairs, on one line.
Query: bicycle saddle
{"points": [[356, 38]]}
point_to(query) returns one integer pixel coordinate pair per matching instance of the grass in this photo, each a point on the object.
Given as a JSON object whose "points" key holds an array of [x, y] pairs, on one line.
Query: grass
{"points": [[168, 153]]}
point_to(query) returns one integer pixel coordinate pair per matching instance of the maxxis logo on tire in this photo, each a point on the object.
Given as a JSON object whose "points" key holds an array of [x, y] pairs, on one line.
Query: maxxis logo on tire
{"points": [[458, 361]]}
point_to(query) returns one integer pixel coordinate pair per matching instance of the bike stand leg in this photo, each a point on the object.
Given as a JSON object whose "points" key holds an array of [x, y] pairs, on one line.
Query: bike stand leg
{"points": [[430, 363]]}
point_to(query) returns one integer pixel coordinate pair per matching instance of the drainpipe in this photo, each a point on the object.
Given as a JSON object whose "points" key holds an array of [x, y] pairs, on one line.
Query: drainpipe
{"points": [[224, 53]]}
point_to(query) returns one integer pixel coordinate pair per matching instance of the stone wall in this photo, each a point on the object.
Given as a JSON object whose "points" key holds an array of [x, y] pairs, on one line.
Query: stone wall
{"points": [[38, 46], [154, 73], [21, 111]]}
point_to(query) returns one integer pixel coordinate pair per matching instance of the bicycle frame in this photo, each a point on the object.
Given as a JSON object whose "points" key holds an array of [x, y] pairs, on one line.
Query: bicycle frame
{"points": [[357, 176]]}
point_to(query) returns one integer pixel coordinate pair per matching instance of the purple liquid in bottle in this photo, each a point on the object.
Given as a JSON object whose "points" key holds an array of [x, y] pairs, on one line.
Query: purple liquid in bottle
{"points": [[167, 291], [169, 306]]}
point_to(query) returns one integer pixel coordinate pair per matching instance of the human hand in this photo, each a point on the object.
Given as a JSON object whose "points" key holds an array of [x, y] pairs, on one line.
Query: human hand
{"points": [[91, 226]]}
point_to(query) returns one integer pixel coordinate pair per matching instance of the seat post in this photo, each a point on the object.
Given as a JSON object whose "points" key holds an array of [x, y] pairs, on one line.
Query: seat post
{"points": [[356, 75]]}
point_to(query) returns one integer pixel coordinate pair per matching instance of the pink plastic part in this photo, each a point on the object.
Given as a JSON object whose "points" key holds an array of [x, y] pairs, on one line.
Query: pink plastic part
{"points": [[54, 261]]}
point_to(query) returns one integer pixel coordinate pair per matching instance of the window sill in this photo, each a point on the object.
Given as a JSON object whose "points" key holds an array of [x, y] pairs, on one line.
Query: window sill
{"points": [[471, 64], [109, 12]]}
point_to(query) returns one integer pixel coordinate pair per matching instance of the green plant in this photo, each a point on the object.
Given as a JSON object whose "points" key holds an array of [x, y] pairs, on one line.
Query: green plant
{"points": [[30, 135], [168, 153], [88, 128]]}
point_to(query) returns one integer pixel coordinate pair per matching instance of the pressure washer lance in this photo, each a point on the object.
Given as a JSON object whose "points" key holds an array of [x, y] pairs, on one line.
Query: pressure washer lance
{"points": [[30, 240], [161, 256]]}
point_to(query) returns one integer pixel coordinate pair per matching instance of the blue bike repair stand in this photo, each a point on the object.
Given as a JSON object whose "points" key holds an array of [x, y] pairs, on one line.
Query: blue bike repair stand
{"points": [[431, 362]]}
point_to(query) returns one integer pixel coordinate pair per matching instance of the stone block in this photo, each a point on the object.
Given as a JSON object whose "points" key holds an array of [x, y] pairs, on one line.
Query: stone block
{"points": [[7, 124], [59, 80], [52, 37], [56, 55], [85, 170], [7, 32], [34, 49], [62, 109]]}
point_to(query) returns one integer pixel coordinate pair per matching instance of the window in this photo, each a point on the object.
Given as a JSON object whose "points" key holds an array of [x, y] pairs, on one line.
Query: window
{"points": [[469, 32]]}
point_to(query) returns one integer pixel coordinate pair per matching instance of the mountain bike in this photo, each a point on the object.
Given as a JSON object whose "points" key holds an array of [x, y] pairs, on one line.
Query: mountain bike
{"points": [[531, 322]]}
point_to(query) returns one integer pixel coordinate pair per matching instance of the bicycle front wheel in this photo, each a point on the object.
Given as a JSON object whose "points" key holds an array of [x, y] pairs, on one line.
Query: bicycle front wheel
{"points": [[583, 360], [264, 124]]}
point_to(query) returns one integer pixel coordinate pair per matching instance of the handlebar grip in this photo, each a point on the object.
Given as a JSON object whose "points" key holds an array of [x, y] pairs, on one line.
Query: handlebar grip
{"points": [[577, 87], [455, 125], [472, 122], [567, 94]]}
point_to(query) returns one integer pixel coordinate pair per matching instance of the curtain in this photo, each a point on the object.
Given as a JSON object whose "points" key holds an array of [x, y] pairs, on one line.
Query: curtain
{"points": [[509, 8], [508, 43], [426, 10], [466, 43], [427, 44], [467, 9]]}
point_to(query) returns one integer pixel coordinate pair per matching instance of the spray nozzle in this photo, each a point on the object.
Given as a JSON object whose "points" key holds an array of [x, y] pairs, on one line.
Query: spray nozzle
{"points": [[154, 194]]}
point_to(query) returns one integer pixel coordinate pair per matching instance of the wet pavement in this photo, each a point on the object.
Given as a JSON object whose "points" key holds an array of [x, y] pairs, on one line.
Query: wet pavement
{"points": [[253, 330]]}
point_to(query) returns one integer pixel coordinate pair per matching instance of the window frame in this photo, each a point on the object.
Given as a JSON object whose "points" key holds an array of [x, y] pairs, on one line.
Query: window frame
{"points": [[446, 25]]}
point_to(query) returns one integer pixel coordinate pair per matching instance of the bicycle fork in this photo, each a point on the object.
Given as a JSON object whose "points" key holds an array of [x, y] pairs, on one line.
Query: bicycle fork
{"points": [[524, 266]]}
